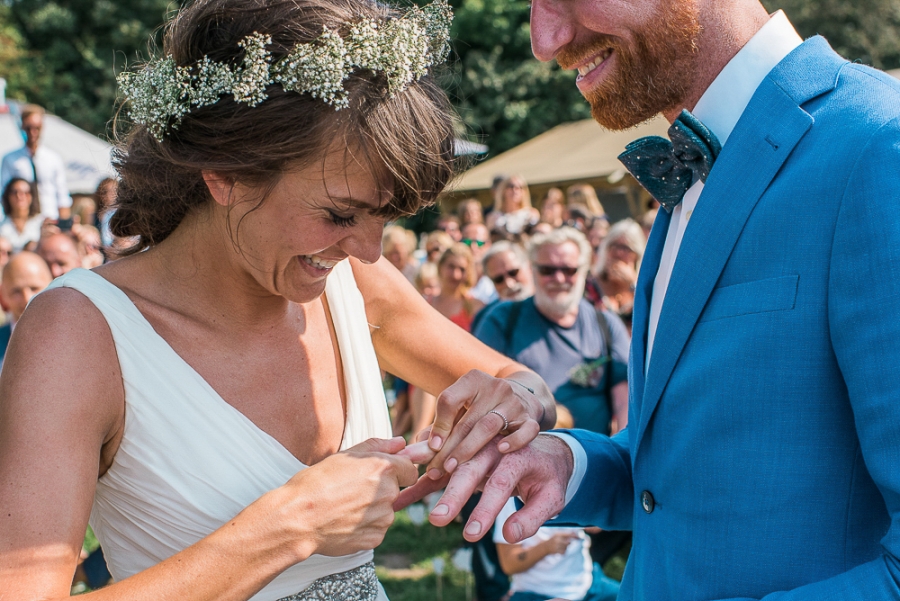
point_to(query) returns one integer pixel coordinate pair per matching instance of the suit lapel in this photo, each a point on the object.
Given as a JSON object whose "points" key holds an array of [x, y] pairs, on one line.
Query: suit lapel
{"points": [[767, 132]]}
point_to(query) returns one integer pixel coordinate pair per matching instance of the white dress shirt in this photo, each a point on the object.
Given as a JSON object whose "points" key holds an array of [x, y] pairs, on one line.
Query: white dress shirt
{"points": [[720, 108], [52, 188]]}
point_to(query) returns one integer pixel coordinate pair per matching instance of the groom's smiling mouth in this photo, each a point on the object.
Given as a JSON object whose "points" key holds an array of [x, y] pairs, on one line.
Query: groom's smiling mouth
{"points": [[591, 69], [594, 62]]}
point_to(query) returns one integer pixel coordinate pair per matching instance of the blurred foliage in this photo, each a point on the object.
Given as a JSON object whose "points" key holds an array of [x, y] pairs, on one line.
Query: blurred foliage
{"points": [[502, 93], [863, 30], [64, 54]]}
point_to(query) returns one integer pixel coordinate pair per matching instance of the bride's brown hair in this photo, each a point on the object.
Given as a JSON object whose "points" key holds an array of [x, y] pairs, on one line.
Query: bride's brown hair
{"points": [[407, 139]]}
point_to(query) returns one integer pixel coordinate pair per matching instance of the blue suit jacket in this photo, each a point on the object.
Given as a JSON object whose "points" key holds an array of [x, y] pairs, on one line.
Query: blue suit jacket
{"points": [[767, 428]]}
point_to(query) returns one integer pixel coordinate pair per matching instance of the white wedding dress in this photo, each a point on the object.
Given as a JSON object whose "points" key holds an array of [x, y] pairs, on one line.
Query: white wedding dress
{"points": [[189, 462]]}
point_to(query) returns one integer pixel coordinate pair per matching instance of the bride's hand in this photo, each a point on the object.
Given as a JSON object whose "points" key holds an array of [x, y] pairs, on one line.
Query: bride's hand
{"points": [[471, 412], [343, 504]]}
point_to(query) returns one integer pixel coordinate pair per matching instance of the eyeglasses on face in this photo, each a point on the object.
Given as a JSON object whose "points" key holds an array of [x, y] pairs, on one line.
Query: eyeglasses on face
{"points": [[470, 242], [550, 270], [500, 277]]}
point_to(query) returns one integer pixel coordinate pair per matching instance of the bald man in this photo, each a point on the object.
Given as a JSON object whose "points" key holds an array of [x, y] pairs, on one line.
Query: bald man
{"points": [[25, 275], [60, 253]]}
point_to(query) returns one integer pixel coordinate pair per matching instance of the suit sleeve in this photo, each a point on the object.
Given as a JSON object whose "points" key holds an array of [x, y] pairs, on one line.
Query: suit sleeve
{"points": [[605, 497], [864, 318]]}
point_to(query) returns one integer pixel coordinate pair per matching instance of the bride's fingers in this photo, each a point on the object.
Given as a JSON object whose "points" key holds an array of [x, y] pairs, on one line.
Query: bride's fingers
{"points": [[520, 438], [418, 491]]}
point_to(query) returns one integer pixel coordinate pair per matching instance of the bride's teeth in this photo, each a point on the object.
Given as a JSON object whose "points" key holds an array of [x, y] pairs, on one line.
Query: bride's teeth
{"points": [[594, 63], [319, 263]]}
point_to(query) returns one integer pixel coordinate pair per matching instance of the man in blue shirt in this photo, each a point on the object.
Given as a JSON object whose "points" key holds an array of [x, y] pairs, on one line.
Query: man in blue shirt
{"points": [[561, 337]]}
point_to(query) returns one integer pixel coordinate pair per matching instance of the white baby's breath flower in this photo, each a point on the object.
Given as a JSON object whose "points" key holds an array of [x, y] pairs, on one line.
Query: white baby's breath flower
{"points": [[402, 50]]}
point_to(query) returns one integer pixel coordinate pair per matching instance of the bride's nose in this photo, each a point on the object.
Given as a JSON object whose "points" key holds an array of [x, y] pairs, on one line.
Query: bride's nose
{"points": [[364, 242]]}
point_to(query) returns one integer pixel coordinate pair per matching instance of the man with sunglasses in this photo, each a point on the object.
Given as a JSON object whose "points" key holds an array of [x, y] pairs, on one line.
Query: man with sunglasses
{"points": [[582, 355], [507, 266]]}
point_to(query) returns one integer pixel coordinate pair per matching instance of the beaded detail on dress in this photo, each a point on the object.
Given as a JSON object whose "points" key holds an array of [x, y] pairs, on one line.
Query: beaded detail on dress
{"points": [[358, 584]]}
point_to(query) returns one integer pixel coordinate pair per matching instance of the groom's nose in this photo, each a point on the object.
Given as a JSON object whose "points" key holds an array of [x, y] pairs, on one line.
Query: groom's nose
{"points": [[552, 28]]}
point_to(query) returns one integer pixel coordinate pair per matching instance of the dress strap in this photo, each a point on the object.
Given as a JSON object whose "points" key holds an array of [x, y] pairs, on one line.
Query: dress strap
{"points": [[367, 414]]}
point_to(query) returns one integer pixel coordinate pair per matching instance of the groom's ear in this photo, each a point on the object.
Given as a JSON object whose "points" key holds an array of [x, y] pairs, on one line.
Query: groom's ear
{"points": [[220, 187]]}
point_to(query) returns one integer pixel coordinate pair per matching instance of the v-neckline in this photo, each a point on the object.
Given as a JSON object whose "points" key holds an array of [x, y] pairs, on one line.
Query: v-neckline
{"points": [[213, 393]]}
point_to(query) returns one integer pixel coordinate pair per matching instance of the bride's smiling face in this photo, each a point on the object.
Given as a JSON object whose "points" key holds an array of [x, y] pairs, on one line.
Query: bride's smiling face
{"points": [[311, 219]]}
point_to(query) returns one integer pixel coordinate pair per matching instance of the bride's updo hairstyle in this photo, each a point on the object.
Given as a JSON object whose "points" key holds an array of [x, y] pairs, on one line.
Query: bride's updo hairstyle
{"points": [[406, 139]]}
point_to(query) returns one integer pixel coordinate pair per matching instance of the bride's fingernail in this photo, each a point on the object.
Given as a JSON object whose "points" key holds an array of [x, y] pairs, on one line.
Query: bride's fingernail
{"points": [[503, 447], [434, 473], [473, 529], [450, 465], [440, 511], [435, 443]]}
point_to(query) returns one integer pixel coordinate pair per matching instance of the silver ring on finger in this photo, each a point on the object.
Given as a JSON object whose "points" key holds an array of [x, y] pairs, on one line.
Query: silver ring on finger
{"points": [[503, 417]]}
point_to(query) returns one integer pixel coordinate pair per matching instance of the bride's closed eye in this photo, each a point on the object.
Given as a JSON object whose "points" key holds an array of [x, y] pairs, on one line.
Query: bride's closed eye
{"points": [[341, 221]]}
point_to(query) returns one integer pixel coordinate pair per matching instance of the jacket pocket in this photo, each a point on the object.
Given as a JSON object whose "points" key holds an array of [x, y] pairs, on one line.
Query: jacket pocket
{"points": [[760, 296]]}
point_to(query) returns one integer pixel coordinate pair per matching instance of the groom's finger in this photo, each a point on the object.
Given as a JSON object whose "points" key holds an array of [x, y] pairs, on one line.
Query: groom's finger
{"points": [[419, 452], [418, 491], [543, 503], [463, 483], [379, 445], [499, 487]]}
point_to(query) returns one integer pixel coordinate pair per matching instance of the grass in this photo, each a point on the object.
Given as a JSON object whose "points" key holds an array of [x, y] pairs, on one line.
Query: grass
{"points": [[404, 562]]}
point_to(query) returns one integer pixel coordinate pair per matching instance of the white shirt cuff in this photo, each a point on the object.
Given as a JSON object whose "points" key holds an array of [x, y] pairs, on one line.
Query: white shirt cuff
{"points": [[580, 460]]}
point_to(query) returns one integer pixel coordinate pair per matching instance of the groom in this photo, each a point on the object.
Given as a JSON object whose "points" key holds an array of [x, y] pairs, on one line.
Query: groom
{"points": [[762, 456]]}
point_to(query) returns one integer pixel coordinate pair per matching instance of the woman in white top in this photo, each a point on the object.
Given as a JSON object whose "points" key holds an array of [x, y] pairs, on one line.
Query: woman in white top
{"points": [[513, 212], [191, 400], [23, 221]]}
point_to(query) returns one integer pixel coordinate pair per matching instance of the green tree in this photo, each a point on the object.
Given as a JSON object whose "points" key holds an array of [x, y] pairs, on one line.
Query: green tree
{"points": [[863, 30], [503, 94], [74, 49]]}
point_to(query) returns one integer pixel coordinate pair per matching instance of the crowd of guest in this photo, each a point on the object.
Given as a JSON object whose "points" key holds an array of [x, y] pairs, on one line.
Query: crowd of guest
{"points": [[551, 286]]}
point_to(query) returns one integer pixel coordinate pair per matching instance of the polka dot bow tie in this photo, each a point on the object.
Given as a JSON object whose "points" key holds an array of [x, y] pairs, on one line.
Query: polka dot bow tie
{"points": [[667, 169]]}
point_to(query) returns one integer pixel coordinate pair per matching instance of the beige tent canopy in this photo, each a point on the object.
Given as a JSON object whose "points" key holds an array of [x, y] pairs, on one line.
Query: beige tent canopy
{"points": [[569, 152]]}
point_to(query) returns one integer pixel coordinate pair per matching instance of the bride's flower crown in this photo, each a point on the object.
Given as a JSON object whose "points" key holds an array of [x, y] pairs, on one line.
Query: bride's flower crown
{"points": [[402, 50]]}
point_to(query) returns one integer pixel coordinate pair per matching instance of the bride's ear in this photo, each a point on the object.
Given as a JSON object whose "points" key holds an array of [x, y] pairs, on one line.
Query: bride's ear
{"points": [[220, 187]]}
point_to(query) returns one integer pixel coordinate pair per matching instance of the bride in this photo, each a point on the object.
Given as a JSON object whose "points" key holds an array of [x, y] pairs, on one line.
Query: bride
{"points": [[211, 404]]}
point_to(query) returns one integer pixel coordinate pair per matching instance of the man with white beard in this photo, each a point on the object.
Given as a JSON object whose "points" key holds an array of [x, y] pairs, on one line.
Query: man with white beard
{"points": [[582, 355]]}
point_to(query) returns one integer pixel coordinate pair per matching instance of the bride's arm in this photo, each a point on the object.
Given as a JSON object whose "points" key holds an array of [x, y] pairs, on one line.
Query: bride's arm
{"points": [[61, 414], [418, 344]]}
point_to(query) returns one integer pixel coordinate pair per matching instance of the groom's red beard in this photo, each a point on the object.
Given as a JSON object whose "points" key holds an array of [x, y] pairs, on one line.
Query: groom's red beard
{"points": [[652, 73]]}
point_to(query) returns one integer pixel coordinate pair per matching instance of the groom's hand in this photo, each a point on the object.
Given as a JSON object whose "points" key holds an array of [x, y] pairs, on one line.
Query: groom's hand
{"points": [[538, 473]]}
